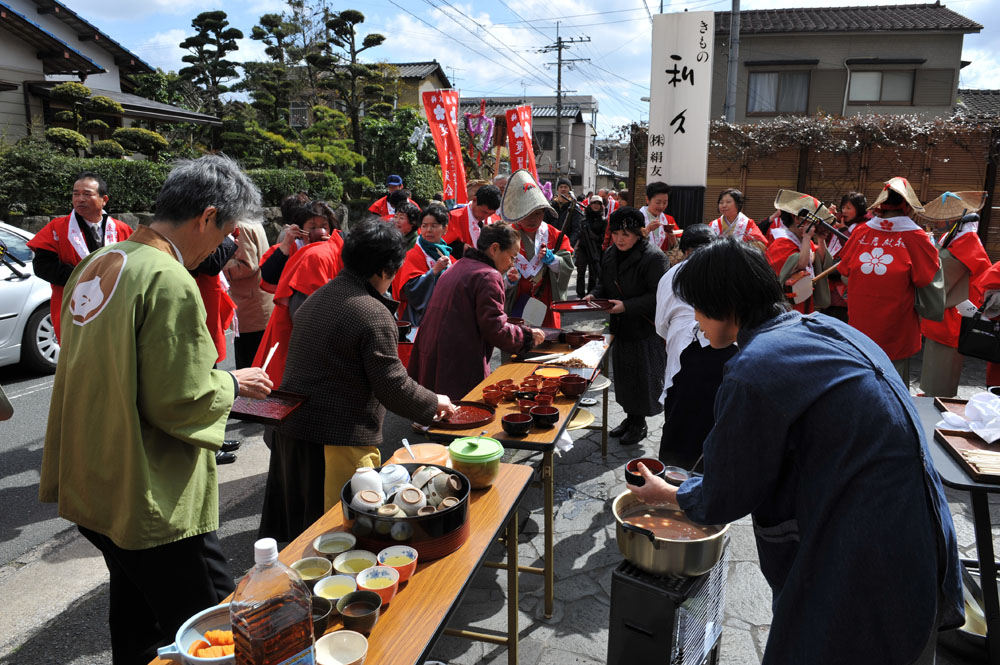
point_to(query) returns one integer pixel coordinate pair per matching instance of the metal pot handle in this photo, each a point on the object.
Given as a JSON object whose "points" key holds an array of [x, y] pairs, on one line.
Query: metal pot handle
{"points": [[628, 526]]}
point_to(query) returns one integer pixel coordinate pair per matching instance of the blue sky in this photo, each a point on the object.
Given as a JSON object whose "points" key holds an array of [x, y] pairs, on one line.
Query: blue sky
{"points": [[489, 47]]}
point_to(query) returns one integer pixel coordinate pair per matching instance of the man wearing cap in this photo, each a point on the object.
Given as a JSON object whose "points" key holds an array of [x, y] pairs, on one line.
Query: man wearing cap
{"points": [[382, 208], [545, 262], [467, 221], [887, 261], [567, 208]]}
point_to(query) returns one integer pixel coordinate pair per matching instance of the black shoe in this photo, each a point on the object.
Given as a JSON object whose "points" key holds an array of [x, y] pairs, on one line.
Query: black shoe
{"points": [[636, 433], [230, 446], [224, 458], [621, 429]]}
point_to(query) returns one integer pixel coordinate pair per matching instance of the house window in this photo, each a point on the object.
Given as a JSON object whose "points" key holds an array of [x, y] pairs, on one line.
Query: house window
{"points": [[882, 87], [771, 93], [544, 140], [298, 115]]}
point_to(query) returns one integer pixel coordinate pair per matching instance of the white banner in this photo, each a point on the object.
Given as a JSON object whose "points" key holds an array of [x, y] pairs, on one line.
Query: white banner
{"points": [[680, 98]]}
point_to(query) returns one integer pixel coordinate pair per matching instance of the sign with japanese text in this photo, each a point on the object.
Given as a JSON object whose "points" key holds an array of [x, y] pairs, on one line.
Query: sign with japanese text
{"points": [[441, 109], [680, 92], [522, 154]]}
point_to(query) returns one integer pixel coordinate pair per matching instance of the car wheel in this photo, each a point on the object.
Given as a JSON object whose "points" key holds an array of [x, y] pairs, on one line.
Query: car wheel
{"points": [[40, 348]]}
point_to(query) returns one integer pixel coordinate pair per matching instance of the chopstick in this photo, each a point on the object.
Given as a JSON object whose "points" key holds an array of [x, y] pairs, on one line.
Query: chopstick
{"points": [[270, 354]]}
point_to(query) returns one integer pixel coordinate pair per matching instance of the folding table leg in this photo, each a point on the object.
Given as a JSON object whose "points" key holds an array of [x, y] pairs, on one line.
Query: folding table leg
{"points": [[548, 486], [512, 590], [987, 572]]}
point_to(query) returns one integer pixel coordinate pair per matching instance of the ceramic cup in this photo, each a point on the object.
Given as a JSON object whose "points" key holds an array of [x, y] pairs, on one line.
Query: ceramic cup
{"points": [[392, 476], [441, 487], [335, 587], [365, 478], [368, 501], [423, 475], [349, 563], [321, 610], [342, 647], [312, 569], [331, 544], [360, 610], [400, 557], [383, 580], [410, 500]]}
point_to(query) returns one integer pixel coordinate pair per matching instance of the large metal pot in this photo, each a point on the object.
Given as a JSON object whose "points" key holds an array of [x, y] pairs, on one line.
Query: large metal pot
{"points": [[663, 556]]}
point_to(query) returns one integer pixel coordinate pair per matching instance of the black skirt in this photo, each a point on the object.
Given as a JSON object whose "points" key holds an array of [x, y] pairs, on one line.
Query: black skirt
{"points": [[639, 366]]}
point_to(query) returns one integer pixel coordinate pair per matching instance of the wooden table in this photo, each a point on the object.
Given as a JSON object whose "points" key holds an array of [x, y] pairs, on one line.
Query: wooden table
{"points": [[417, 616], [542, 440]]}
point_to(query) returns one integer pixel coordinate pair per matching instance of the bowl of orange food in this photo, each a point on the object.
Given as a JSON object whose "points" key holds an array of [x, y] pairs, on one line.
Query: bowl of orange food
{"points": [[204, 639]]}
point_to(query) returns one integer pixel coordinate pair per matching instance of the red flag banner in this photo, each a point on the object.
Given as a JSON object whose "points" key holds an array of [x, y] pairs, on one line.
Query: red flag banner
{"points": [[522, 154], [441, 109]]}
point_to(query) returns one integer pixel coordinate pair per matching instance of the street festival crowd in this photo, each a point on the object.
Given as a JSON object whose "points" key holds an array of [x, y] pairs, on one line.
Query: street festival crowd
{"points": [[777, 350]]}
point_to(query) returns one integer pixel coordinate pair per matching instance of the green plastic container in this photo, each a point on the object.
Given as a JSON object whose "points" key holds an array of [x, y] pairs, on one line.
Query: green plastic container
{"points": [[478, 458]]}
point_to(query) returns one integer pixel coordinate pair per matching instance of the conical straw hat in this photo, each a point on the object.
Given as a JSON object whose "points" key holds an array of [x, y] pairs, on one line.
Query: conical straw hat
{"points": [[794, 202], [522, 197], [952, 205], [902, 187]]}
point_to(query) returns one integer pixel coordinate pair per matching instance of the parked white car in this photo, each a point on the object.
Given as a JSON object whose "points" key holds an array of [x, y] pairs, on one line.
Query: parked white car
{"points": [[26, 332]]}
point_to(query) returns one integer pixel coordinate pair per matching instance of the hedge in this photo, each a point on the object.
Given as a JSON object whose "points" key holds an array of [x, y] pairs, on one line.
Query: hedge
{"points": [[36, 181]]}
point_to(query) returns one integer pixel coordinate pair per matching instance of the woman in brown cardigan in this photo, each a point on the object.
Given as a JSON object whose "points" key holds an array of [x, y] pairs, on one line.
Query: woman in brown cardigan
{"points": [[342, 354]]}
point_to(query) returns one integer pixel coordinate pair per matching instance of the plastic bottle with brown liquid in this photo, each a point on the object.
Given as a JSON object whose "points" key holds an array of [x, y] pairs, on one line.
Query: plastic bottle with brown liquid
{"points": [[271, 613]]}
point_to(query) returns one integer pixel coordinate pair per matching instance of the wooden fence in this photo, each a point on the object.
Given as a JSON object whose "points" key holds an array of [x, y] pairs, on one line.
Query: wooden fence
{"points": [[949, 161]]}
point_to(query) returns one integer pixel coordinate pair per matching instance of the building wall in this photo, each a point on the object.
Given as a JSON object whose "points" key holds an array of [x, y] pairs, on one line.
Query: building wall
{"points": [[935, 81], [17, 64], [109, 81], [411, 90]]}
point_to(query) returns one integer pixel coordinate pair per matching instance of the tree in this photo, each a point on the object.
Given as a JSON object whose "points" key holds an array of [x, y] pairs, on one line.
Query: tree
{"points": [[208, 67], [354, 82], [67, 140], [387, 148]]}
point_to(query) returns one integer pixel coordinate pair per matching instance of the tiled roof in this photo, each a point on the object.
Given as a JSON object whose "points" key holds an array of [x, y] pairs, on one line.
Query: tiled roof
{"points": [[494, 108], [848, 19], [418, 70], [139, 107], [57, 56], [979, 103], [85, 30]]}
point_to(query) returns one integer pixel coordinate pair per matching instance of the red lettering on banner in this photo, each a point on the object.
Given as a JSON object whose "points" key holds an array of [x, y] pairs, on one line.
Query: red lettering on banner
{"points": [[522, 156], [441, 109]]}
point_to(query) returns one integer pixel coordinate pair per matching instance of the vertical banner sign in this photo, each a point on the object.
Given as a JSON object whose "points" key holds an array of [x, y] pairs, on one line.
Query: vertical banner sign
{"points": [[441, 109], [680, 92], [522, 154]]}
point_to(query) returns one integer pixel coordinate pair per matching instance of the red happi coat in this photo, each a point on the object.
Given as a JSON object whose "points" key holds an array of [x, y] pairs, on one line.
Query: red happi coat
{"points": [[308, 269], [990, 281], [266, 286], [381, 208], [220, 309], [543, 290], [886, 261], [415, 264], [967, 248], [743, 228], [783, 246], [55, 237], [459, 220]]}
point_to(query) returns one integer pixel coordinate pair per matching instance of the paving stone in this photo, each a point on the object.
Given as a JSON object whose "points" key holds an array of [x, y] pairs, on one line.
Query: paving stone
{"points": [[560, 657], [571, 589], [583, 630], [458, 651], [742, 543], [581, 515], [529, 652], [760, 634], [748, 597], [964, 530]]}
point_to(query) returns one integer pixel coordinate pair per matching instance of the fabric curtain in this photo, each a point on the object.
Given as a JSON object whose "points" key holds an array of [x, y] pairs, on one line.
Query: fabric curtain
{"points": [[794, 92], [763, 95]]}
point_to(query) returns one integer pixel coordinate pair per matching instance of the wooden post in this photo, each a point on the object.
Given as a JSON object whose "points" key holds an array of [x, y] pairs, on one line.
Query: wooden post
{"points": [[863, 169], [992, 157], [925, 178], [802, 179]]}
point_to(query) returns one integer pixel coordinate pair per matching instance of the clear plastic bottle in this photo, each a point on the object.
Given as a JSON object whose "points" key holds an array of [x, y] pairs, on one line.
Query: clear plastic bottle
{"points": [[271, 613]]}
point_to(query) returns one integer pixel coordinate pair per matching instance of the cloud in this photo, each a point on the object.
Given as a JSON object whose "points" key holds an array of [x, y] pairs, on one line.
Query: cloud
{"points": [[162, 49], [984, 72], [116, 9]]}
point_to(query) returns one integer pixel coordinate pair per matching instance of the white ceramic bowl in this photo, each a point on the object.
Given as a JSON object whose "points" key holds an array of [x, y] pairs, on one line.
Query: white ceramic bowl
{"points": [[324, 586], [338, 563], [329, 544], [365, 478], [343, 647]]}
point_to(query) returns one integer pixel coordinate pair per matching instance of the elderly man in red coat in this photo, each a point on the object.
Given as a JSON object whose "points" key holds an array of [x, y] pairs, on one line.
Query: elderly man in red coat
{"points": [[65, 241], [465, 318]]}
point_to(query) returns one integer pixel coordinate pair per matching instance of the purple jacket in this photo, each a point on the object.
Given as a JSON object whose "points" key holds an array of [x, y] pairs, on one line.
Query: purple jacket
{"points": [[463, 322]]}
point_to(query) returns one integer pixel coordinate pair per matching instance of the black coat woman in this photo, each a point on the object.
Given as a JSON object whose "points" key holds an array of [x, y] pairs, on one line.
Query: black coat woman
{"points": [[630, 271]]}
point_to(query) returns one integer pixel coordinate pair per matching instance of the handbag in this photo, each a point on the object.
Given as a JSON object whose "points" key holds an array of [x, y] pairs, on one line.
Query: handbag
{"points": [[979, 337]]}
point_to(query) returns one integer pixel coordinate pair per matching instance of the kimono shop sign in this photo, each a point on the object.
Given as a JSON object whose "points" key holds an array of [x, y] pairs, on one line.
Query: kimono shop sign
{"points": [[441, 109], [522, 153], [680, 98]]}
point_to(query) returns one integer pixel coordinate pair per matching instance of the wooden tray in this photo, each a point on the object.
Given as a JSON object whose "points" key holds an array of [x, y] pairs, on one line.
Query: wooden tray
{"points": [[443, 424], [272, 410], [955, 442], [596, 305], [953, 404]]}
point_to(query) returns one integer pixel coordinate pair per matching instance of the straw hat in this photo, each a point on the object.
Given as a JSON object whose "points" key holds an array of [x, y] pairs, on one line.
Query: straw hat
{"points": [[794, 202], [953, 205], [902, 187], [522, 197]]}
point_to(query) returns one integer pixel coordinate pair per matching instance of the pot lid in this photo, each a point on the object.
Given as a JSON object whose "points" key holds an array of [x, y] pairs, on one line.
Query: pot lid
{"points": [[475, 449]]}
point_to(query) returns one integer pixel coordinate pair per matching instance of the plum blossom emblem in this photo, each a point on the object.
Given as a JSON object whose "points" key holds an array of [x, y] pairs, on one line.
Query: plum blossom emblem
{"points": [[875, 261]]}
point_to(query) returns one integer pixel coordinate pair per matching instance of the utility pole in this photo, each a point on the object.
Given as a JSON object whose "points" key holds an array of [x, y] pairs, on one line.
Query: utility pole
{"points": [[560, 60], [734, 61]]}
